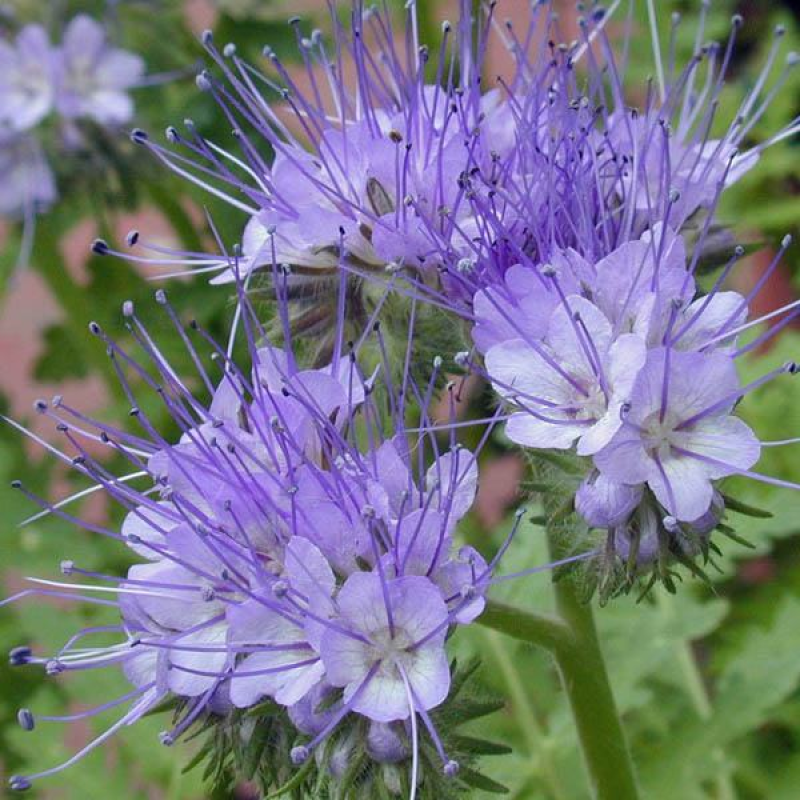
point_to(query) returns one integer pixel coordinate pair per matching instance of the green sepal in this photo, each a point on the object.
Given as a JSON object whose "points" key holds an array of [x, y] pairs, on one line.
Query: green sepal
{"points": [[295, 782], [726, 530], [732, 504], [481, 747], [477, 780]]}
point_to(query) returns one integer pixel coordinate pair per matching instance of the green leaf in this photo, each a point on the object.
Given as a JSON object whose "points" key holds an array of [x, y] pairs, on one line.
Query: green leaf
{"points": [[763, 672]]}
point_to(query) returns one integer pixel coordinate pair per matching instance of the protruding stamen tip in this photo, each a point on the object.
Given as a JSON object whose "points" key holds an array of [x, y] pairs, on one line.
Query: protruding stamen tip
{"points": [[437, 362], [95, 329], [203, 82], [132, 238], [299, 755], [229, 51], [173, 137], [19, 783], [138, 136], [451, 768], [100, 247], [786, 241], [26, 719], [671, 524], [207, 37], [737, 20], [53, 667], [127, 309], [466, 265], [792, 367], [16, 484], [166, 738], [161, 297], [792, 58], [67, 567], [738, 251], [780, 30], [40, 405], [19, 656], [549, 271], [280, 589]]}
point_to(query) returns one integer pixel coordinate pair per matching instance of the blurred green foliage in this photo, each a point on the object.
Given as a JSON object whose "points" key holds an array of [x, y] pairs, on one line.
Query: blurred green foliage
{"points": [[708, 680]]}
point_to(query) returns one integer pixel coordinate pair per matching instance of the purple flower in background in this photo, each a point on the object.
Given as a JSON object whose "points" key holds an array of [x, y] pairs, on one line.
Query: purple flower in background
{"points": [[94, 77], [27, 79]]}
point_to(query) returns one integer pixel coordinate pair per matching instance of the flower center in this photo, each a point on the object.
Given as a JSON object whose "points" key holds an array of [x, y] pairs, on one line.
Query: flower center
{"points": [[657, 434], [388, 649]]}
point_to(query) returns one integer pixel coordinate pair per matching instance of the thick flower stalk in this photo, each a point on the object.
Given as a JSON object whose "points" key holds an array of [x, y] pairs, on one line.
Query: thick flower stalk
{"points": [[292, 547]]}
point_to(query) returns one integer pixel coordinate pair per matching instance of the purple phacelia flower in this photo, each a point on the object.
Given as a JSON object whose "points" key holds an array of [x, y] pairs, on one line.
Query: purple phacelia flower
{"points": [[371, 165], [591, 175], [94, 78], [624, 362], [571, 385], [390, 656], [27, 79], [678, 433]]}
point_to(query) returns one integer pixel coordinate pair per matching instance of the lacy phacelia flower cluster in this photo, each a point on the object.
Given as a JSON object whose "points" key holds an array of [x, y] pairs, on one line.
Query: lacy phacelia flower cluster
{"points": [[82, 78], [294, 551], [281, 560], [622, 360], [567, 228]]}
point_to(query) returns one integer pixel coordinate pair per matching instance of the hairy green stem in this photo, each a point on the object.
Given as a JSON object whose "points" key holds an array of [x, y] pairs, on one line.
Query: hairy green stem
{"points": [[585, 680], [527, 626], [572, 638], [573, 641]]}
